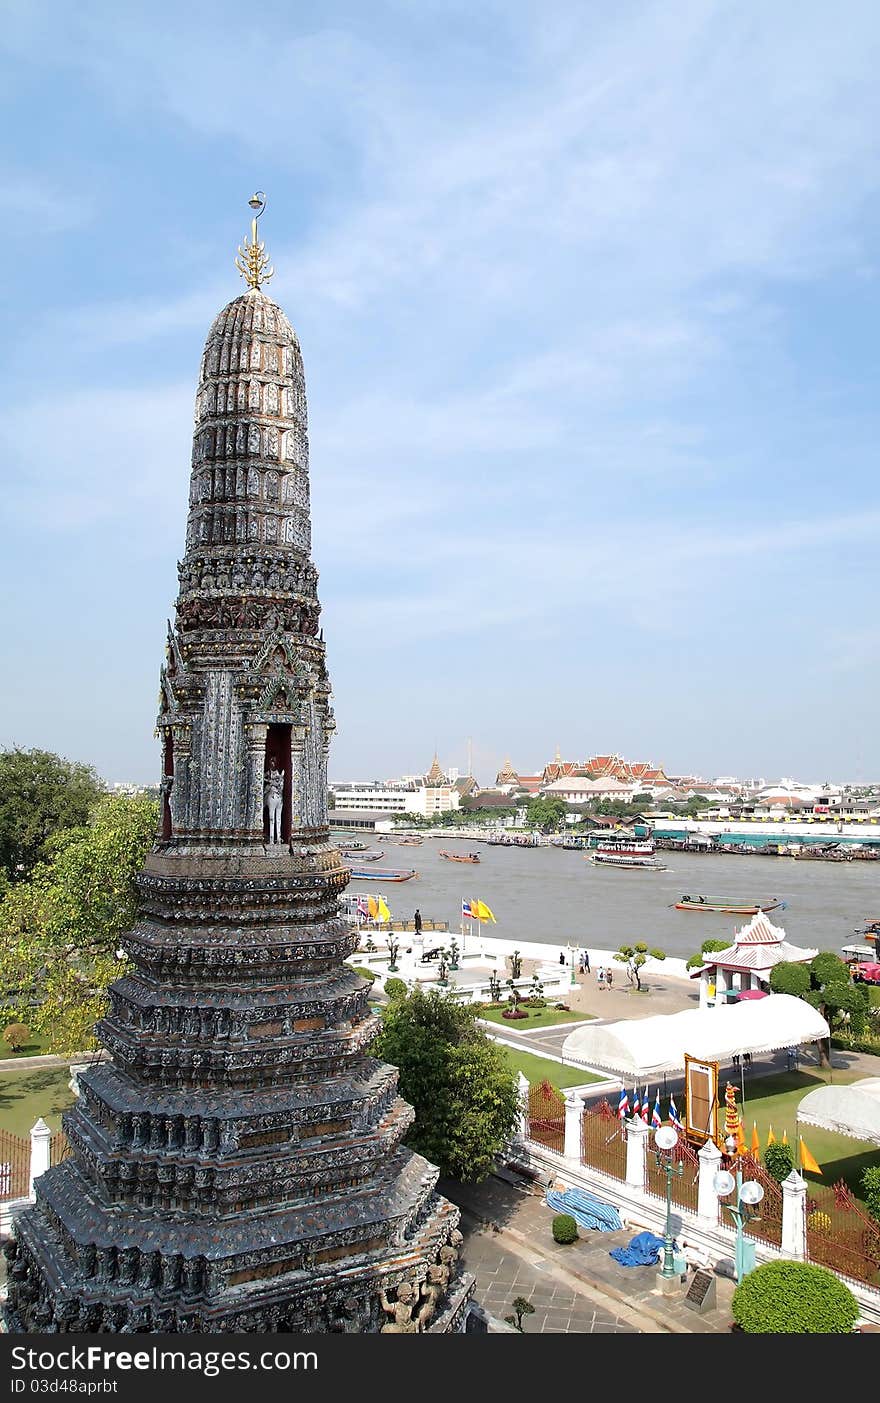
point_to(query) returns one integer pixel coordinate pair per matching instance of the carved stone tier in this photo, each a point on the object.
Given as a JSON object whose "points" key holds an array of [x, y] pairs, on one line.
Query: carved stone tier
{"points": [[238, 1164]]}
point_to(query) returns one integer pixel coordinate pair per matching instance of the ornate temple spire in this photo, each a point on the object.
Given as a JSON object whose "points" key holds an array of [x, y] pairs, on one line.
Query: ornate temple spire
{"points": [[435, 775], [252, 261], [237, 1161]]}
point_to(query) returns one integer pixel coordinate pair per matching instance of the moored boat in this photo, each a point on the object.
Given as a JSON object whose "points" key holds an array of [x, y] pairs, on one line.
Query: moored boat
{"points": [[362, 857], [728, 904], [409, 842], [460, 857], [385, 874]]}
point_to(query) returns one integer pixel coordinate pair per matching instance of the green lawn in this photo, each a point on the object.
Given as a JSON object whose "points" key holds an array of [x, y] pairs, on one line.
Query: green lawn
{"points": [[538, 1018], [773, 1100], [27, 1095], [36, 1046], [537, 1069]]}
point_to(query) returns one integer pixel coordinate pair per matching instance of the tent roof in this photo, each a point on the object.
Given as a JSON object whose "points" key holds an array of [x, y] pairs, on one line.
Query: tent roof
{"points": [[852, 1110], [638, 1047]]}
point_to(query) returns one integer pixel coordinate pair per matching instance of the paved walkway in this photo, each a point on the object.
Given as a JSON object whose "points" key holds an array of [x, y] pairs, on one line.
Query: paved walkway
{"points": [[578, 1289]]}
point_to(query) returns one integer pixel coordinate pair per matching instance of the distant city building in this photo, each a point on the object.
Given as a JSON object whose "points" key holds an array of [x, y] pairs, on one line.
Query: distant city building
{"points": [[424, 795]]}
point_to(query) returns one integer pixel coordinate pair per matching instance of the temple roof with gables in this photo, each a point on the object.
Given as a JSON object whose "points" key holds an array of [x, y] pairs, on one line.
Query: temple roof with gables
{"points": [[758, 946], [435, 775]]}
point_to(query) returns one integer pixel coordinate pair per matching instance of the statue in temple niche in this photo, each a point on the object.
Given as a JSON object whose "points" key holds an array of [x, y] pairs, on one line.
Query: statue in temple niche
{"points": [[273, 792]]}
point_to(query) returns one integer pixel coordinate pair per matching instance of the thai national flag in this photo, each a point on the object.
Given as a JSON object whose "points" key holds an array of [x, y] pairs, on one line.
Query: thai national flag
{"points": [[646, 1110], [623, 1103], [673, 1114], [637, 1105], [656, 1118], [362, 907], [466, 913]]}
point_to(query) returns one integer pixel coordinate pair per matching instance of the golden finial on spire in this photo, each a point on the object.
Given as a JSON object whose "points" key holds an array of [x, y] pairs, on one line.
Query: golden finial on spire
{"points": [[253, 261]]}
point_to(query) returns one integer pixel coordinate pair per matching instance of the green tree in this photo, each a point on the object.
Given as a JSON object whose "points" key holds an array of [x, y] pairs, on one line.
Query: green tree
{"points": [[40, 794], [546, 814], [60, 928], [790, 978], [708, 947], [794, 1298], [461, 1086], [841, 1003], [634, 957], [871, 1190], [521, 1307]]}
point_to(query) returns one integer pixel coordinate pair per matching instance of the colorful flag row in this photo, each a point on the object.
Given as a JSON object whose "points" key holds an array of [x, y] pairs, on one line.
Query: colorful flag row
{"points": [[373, 908], [476, 911]]}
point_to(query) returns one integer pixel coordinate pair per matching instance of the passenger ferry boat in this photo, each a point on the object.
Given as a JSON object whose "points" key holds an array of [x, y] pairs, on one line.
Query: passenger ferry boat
{"points": [[627, 852]]}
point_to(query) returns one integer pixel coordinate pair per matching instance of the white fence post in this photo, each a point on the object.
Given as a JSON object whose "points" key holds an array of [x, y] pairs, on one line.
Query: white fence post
{"points": [[574, 1115], [41, 1137], [522, 1129], [636, 1150], [707, 1199], [794, 1216]]}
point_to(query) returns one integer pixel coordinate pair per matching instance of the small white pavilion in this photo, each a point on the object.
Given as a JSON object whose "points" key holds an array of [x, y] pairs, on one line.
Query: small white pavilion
{"points": [[744, 968]]}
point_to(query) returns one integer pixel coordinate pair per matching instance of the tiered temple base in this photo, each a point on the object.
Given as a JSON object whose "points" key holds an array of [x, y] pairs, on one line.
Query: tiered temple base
{"points": [[238, 1166]]}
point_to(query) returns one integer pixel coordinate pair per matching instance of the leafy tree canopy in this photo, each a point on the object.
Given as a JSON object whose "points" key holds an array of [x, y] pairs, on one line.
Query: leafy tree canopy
{"points": [[461, 1086], [60, 928], [546, 814], [41, 794], [790, 978]]}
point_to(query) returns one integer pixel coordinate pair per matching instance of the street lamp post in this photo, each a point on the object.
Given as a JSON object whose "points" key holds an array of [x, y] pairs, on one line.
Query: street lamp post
{"points": [[571, 952], [666, 1139], [748, 1197]]}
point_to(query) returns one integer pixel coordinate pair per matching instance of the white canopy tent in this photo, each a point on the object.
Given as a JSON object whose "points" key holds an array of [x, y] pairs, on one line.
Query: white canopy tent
{"points": [[852, 1110], [640, 1047]]}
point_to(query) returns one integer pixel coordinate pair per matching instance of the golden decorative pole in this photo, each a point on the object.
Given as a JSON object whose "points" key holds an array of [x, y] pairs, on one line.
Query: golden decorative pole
{"points": [[252, 260]]}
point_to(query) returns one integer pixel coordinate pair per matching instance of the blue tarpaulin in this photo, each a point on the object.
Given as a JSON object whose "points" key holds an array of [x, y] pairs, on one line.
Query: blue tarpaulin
{"points": [[587, 1210], [643, 1251]]}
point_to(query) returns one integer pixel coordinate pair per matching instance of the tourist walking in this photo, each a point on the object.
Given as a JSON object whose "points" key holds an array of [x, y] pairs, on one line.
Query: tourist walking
{"points": [[600, 977], [609, 978], [586, 961], [562, 957]]}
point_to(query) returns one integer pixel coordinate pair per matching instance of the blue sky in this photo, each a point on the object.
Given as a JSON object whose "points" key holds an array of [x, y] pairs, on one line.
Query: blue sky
{"points": [[589, 302]]}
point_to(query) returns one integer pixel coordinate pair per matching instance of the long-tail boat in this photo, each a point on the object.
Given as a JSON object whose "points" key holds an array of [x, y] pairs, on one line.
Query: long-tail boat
{"points": [[460, 857], [384, 874], [728, 904]]}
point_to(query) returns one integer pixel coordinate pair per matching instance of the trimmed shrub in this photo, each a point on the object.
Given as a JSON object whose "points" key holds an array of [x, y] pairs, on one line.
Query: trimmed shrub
{"points": [[870, 1182], [395, 989], [565, 1229], [794, 1298], [16, 1036], [514, 1013], [779, 1161]]}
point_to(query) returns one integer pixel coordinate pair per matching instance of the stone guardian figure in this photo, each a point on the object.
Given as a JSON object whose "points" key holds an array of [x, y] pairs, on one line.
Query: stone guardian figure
{"points": [[273, 791]]}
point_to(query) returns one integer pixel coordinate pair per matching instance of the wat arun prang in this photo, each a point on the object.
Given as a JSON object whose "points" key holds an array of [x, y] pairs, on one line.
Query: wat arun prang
{"points": [[238, 1166]]}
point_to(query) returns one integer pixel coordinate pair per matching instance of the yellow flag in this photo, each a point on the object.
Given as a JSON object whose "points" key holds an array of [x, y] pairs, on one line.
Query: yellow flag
{"points": [[756, 1143], [807, 1161], [483, 913], [785, 1137], [383, 913], [771, 1138], [372, 906], [740, 1139]]}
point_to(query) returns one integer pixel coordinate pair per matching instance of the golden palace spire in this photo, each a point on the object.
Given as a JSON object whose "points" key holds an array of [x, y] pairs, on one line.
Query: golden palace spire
{"points": [[252, 261]]}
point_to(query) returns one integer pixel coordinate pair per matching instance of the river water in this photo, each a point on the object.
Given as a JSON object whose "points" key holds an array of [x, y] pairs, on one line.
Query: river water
{"points": [[556, 895]]}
